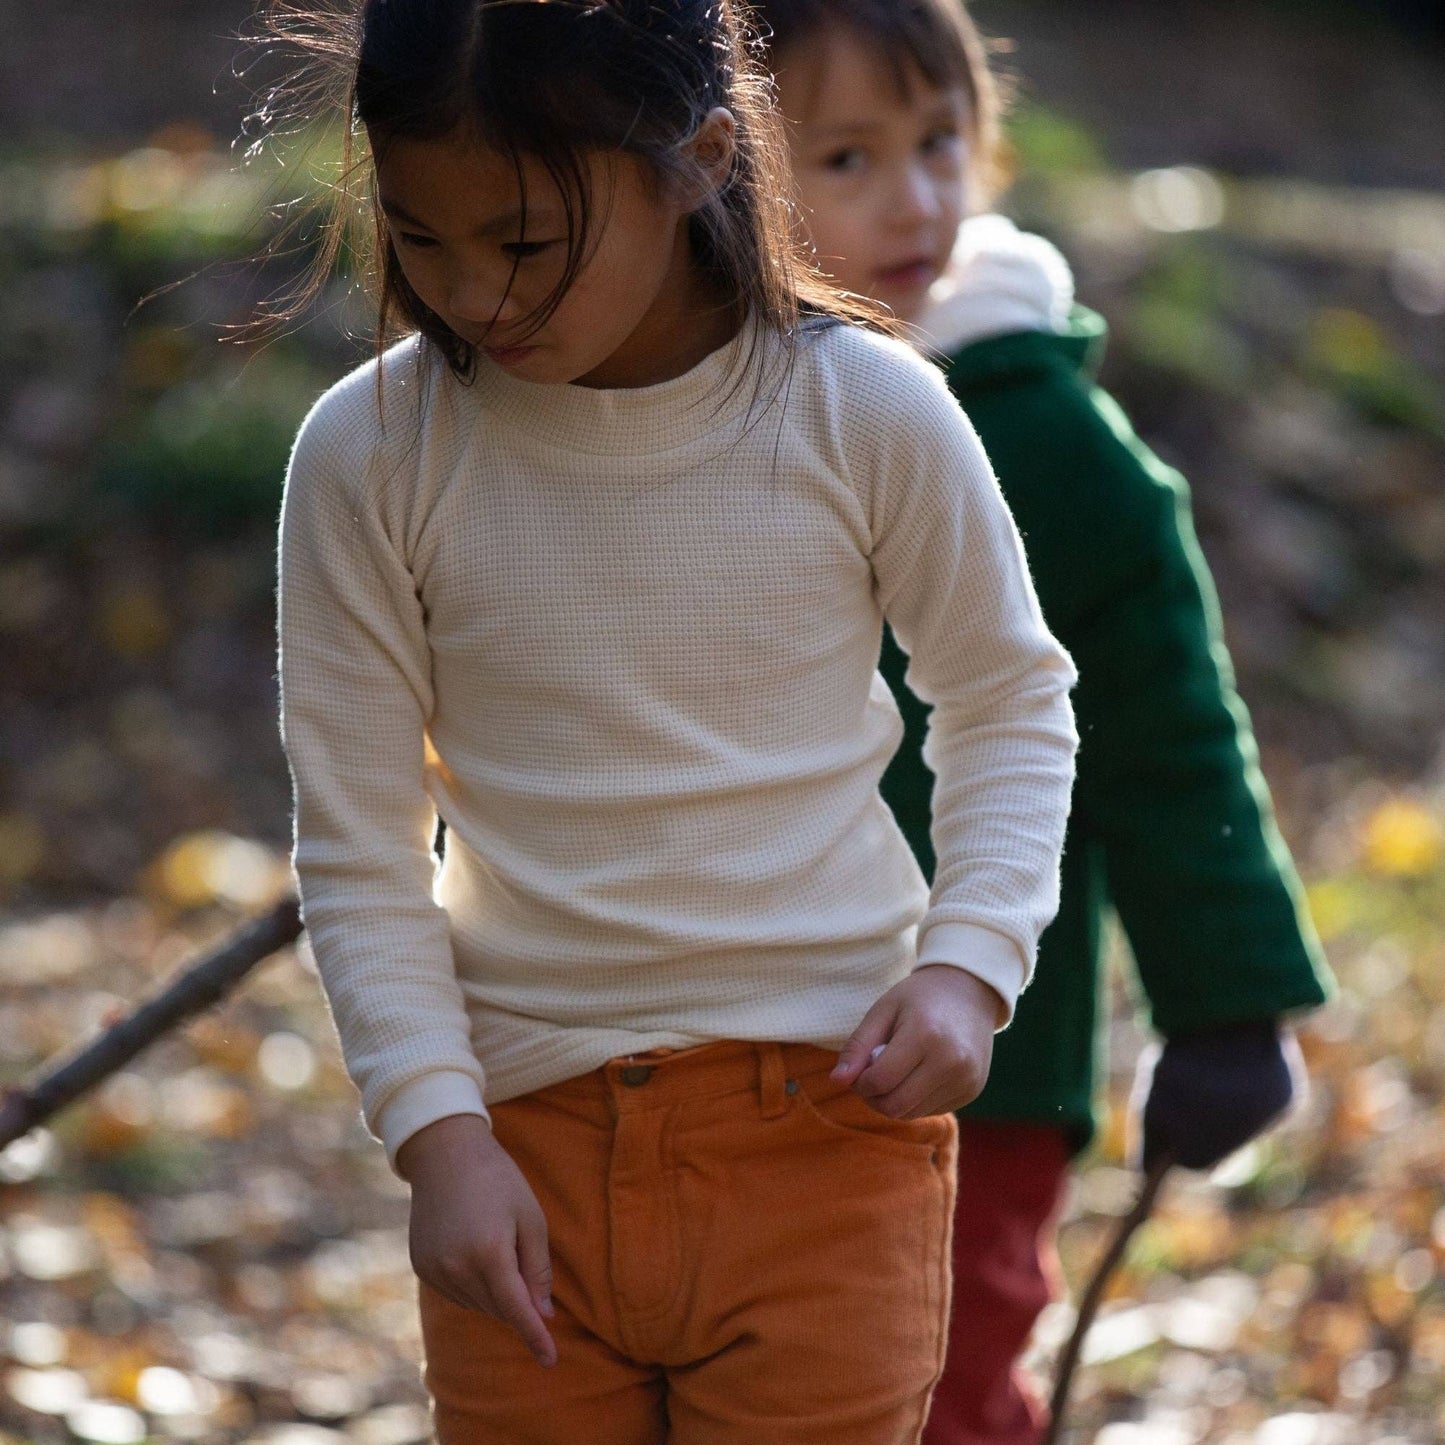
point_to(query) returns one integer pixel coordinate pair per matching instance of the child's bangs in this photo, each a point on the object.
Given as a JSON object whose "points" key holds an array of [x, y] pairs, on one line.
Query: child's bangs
{"points": [[932, 39], [552, 86], [555, 83], [438, 69], [920, 40]]}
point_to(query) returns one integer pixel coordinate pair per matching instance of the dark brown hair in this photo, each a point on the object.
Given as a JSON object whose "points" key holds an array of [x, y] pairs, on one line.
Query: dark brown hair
{"points": [[935, 38], [555, 81]]}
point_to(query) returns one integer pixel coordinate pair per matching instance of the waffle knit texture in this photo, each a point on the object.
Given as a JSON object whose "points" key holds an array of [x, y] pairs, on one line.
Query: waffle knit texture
{"points": [[625, 643]]}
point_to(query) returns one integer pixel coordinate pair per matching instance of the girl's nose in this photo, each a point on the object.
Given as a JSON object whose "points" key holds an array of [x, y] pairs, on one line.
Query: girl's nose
{"points": [[482, 300], [917, 198]]}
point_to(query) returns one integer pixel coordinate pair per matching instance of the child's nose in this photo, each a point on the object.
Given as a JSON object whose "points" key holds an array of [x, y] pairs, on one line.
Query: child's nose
{"points": [[482, 300], [917, 198]]}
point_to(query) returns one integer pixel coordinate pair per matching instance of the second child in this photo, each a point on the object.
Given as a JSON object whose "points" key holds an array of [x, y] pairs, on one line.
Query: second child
{"points": [[893, 120]]}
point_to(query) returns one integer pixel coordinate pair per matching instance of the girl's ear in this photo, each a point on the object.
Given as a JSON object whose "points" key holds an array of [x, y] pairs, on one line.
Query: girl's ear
{"points": [[711, 150]]}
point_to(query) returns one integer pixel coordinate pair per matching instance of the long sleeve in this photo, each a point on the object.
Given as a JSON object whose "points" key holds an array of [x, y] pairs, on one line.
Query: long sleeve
{"points": [[356, 695], [953, 584], [1169, 789], [1194, 863]]}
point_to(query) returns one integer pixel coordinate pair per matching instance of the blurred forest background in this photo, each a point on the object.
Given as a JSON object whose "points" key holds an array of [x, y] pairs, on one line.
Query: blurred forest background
{"points": [[210, 1249]]}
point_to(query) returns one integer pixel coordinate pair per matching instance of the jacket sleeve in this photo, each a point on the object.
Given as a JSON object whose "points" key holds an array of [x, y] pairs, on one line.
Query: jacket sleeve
{"points": [[1168, 776], [355, 696]]}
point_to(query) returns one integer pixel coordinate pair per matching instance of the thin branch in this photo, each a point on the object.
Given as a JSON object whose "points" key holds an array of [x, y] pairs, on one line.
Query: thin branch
{"points": [[193, 990], [1089, 1305]]}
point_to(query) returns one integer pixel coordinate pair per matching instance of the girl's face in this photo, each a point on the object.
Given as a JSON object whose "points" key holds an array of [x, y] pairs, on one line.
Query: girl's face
{"points": [[453, 208], [880, 168]]}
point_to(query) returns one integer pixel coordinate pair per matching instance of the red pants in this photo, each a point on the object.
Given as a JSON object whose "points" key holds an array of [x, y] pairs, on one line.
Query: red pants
{"points": [[1005, 1270]]}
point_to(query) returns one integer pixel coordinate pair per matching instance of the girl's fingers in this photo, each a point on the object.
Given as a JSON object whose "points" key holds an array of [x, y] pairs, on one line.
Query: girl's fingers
{"points": [[905, 1101], [514, 1307], [535, 1260], [856, 1055], [888, 1071], [929, 1088], [510, 1304], [895, 1062], [952, 1093]]}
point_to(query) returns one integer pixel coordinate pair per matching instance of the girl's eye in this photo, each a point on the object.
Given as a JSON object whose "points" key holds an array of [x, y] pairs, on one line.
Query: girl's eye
{"points": [[415, 241], [940, 140], [521, 250], [845, 162]]}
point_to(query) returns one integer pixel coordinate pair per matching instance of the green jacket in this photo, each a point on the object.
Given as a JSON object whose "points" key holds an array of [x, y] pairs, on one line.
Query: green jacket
{"points": [[1172, 824]]}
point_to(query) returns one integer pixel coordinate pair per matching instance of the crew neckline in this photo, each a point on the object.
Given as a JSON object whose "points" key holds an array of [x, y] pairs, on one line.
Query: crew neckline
{"points": [[666, 416]]}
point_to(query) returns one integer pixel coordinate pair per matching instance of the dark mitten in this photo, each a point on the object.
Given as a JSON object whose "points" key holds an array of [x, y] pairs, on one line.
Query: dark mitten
{"points": [[1203, 1095]]}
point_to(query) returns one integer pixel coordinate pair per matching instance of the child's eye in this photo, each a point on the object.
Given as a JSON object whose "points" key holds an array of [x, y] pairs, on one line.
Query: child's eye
{"points": [[940, 141], [415, 241], [845, 162], [521, 250]]}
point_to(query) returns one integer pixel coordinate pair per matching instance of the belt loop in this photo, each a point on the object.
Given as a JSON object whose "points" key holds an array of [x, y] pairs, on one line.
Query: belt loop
{"points": [[772, 1082]]}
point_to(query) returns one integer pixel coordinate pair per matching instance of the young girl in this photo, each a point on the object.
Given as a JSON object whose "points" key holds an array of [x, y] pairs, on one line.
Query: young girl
{"points": [[594, 564], [893, 118]]}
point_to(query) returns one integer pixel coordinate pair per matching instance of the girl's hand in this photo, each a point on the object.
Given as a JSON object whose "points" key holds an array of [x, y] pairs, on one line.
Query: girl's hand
{"points": [[478, 1235], [925, 1046]]}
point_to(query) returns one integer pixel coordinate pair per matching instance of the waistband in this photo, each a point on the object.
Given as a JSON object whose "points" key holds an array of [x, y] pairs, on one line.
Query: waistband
{"points": [[665, 1077]]}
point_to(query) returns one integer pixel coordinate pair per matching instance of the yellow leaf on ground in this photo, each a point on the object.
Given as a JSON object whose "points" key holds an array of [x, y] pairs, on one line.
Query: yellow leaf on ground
{"points": [[1403, 839]]}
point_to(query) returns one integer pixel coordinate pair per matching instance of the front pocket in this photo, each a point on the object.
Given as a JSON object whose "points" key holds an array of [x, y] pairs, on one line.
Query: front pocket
{"points": [[844, 1114]]}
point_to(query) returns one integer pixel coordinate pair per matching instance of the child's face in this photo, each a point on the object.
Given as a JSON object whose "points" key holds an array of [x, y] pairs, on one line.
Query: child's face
{"points": [[880, 169], [452, 207]]}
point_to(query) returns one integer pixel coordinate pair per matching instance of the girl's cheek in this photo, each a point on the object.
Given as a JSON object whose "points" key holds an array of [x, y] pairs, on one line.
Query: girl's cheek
{"points": [[419, 276]]}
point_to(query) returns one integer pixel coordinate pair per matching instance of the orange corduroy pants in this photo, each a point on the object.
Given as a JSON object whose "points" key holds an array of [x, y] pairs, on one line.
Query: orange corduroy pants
{"points": [[743, 1254]]}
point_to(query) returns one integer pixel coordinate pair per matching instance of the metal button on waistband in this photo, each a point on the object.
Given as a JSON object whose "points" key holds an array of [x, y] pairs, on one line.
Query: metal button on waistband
{"points": [[635, 1075], [791, 1087]]}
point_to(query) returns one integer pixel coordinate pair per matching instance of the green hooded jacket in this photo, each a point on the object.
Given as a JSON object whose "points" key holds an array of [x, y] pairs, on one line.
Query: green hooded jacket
{"points": [[1172, 826]]}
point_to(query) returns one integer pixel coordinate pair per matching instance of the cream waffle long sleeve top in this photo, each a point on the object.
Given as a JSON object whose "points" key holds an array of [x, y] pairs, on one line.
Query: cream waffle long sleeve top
{"points": [[625, 643]]}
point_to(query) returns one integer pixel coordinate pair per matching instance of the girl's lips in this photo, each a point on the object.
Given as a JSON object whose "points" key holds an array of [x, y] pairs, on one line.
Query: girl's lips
{"points": [[910, 275], [508, 355]]}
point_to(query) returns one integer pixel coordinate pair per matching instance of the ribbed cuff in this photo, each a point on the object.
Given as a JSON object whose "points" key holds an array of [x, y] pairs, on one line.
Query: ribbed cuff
{"points": [[983, 953], [423, 1101]]}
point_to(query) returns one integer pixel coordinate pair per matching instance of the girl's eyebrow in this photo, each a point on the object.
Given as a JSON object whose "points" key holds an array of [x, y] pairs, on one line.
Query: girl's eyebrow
{"points": [[507, 223], [944, 110], [400, 213]]}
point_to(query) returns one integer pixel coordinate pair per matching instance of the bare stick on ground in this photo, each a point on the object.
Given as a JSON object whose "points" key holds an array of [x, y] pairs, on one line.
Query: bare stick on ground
{"points": [[1089, 1304], [194, 989]]}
